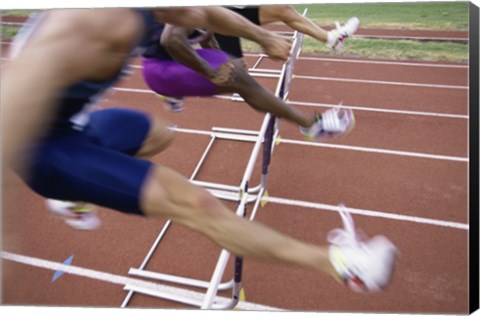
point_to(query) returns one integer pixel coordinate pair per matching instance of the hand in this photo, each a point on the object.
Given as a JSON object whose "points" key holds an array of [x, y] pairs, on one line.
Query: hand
{"points": [[276, 46], [209, 42], [224, 75]]}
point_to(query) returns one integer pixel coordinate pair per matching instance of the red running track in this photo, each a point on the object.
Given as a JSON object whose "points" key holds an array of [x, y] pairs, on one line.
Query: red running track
{"points": [[403, 172]]}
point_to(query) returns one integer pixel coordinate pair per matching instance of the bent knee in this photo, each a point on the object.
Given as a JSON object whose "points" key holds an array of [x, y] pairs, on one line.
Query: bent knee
{"points": [[207, 204], [159, 137]]}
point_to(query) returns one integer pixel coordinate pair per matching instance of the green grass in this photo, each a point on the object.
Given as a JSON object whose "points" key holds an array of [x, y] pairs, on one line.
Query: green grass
{"points": [[17, 12], [385, 49], [399, 50], [8, 32], [419, 15]]}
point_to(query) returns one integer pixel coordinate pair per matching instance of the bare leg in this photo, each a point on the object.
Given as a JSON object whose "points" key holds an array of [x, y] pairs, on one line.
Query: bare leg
{"points": [[167, 194], [158, 139], [263, 100], [288, 15]]}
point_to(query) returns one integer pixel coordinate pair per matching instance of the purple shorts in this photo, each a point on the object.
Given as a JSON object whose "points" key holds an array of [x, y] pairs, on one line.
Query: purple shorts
{"points": [[172, 79]]}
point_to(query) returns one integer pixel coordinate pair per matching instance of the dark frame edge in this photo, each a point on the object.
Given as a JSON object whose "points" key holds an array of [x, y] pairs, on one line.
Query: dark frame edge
{"points": [[473, 157]]}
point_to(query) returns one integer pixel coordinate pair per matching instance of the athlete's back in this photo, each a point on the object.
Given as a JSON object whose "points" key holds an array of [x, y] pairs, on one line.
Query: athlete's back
{"points": [[103, 40]]}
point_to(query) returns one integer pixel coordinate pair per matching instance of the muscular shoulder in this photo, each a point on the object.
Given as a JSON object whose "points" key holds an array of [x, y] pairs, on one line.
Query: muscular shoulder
{"points": [[115, 26], [91, 44]]}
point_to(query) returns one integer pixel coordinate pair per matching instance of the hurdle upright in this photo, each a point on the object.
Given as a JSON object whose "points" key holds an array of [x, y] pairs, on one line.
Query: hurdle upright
{"points": [[243, 194]]}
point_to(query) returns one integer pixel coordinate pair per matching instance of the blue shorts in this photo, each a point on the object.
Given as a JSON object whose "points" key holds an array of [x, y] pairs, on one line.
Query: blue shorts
{"points": [[95, 165]]}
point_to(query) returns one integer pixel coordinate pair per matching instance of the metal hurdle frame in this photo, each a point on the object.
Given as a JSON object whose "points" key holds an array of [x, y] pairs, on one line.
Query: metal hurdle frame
{"points": [[243, 194]]}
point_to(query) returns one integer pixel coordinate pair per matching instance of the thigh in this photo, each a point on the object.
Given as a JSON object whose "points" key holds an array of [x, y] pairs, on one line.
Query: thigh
{"points": [[120, 129], [173, 79], [70, 167]]}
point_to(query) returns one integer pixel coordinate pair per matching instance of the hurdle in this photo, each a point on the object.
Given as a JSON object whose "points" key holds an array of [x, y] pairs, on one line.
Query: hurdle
{"points": [[243, 194]]}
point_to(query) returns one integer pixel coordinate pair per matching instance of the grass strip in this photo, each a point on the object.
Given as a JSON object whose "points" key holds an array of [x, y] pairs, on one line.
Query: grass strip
{"points": [[402, 15]]}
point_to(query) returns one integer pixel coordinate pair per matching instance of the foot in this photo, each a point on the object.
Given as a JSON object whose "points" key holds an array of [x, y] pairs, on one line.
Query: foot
{"points": [[330, 124], [364, 266], [336, 37], [174, 104], [81, 216]]}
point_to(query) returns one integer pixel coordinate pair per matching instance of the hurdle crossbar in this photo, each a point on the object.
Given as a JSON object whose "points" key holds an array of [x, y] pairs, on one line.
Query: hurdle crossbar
{"points": [[242, 194]]}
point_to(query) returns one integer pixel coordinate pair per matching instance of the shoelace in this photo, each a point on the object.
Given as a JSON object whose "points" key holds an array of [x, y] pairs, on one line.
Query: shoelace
{"points": [[331, 122], [346, 236], [346, 29]]}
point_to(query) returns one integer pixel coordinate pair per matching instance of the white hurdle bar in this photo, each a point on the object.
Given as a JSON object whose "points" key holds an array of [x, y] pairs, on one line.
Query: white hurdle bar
{"points": [[242, 194]]}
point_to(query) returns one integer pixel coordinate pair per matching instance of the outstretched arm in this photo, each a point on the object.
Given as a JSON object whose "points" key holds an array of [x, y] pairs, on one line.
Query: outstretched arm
{"points": [[224, 21]]}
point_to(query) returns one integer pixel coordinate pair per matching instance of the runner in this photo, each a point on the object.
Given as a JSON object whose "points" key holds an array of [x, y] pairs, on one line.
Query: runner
{"points": [[173, 68], [70, 57], [263, 15]]}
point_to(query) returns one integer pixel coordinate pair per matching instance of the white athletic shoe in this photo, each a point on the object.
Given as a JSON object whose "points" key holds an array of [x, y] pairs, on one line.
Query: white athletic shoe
{"points": [[81, 216], [174, 104], [364, 266], [330, 124], [336, 37]]}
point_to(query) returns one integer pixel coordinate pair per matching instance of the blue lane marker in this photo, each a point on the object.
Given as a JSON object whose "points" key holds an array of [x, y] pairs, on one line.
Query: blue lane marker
{"points": [[59, 273]]}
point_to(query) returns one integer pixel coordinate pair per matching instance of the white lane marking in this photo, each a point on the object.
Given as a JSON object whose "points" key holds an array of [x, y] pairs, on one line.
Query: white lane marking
{"points": [[433, 114], [398, 217], [328, 105], [134, 90], [374, 150], [439, 86], [409, 84], [344, 147], [376, 62], [12, 23], [122, 280], [419, 38], [369, 62]]}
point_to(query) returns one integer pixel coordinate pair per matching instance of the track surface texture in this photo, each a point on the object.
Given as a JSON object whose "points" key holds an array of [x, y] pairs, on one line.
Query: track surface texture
{"points": [[403, 173]]}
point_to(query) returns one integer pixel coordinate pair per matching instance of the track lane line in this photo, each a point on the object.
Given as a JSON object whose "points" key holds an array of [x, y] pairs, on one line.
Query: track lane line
{"points": [[122, 280], [380, 82], [375, 150], [411, 84], [392, 111], [378, 62], [360, 108], [342, 147], [371, 213]]}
